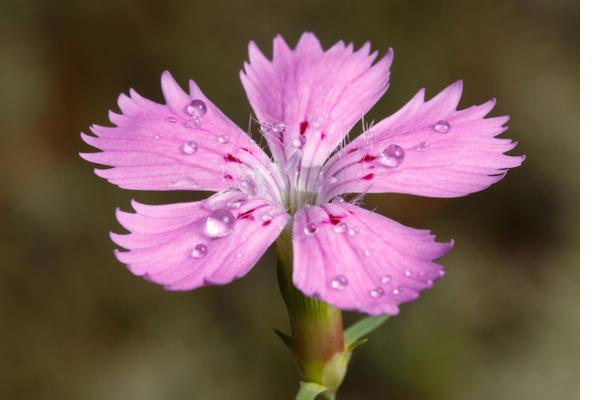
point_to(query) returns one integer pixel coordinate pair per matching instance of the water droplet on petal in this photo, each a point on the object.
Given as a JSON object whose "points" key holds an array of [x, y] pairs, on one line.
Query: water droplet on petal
{"points": [[441, 272], [422, 146], [392, 156], [278, 127], [397, 291], [441, 126], [332, 180], [353, 231], [386, 279], [339, 282], [297, 143], [310, 229], [171, 119], [338, 199], [222, 139], [266, 217], [239, 255], [199, 251], [190, 147], [377, 292], [340, 228], [196, 108], [219, 223], [235, 203], [157, 137], [193, 123], [408, 272], [368, 252], [318, 121]]}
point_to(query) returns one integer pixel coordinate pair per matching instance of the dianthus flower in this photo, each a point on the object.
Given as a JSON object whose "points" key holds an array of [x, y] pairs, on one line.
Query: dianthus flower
{"points": [[306, 101]]}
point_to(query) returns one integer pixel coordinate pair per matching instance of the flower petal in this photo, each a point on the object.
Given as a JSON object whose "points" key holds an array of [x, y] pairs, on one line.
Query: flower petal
{"points": [[427, 148], [309, 98], [178, 146], [172, 245], [355, 259]]}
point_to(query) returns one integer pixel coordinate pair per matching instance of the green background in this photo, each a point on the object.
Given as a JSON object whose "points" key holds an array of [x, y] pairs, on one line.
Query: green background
{"points": [[75, 324]]}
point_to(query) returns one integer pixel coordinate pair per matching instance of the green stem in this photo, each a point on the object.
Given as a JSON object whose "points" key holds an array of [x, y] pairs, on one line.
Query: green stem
{"points": [[317, 330]]}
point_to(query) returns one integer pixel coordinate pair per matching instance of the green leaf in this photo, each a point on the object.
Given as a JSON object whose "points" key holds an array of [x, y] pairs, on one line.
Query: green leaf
{"points": [[363, 328], [286, 339], [358, 343], [309, 391]]}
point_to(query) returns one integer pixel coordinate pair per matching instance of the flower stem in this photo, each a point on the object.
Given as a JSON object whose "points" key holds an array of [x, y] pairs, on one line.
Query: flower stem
{"points": [[317, 331]]}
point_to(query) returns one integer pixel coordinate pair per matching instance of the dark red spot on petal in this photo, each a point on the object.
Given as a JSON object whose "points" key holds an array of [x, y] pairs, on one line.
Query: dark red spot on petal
{"points": [[247, 150], [266, 223], [352, 150], [303, 127], [368, 177], [323, 135], [335, 219], [367, 158], [231, 158], [228, 177], [247, 214]]}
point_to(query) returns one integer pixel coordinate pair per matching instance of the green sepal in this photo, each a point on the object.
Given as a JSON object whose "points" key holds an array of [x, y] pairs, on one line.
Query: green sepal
{"points": [[310, 391], [363, 328]]}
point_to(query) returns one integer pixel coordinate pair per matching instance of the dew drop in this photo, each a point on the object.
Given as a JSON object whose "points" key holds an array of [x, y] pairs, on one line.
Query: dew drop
{"points": [[193, 123], [422, 146], [266, 217], [368, 252], [199, 251], [196, 108], [190, 147], [171, 119], [332, 180], [157, 137], [339, 282], [219, 223], [338, 199], [235, 203], [310, 229], [239, 255], [397, 291], [353, 230], [297, 143], [392, 156], [278, 127], [222, 139], [340, 228], [386, 279], [441, 126], [377, 292], [318, 121], [408, 272]]}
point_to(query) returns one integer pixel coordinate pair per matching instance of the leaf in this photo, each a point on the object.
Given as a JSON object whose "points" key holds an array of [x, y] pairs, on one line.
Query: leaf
{"points": [[309, 391], [363, 328], [286, 339], [358, 343]]}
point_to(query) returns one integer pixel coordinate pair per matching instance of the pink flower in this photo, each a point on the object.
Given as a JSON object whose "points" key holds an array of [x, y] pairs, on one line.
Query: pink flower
{"points": [[306, 101]]}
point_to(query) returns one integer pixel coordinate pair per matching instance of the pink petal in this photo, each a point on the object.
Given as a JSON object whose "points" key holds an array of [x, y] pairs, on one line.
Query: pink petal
{"points": [[355, 259], [164, 147], [318, 95], [463, 156], [169, 244]]}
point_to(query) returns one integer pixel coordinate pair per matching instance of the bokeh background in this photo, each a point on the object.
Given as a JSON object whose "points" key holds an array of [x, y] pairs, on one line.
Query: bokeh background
{"points": [[74, 324]]}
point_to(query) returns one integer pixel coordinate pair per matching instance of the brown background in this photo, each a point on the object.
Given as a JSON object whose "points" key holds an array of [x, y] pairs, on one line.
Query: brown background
{"points": [[74, 324]]}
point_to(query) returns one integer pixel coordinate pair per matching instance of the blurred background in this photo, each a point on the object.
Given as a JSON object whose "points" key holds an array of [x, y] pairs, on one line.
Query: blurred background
{"points": [[75, 324]]}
